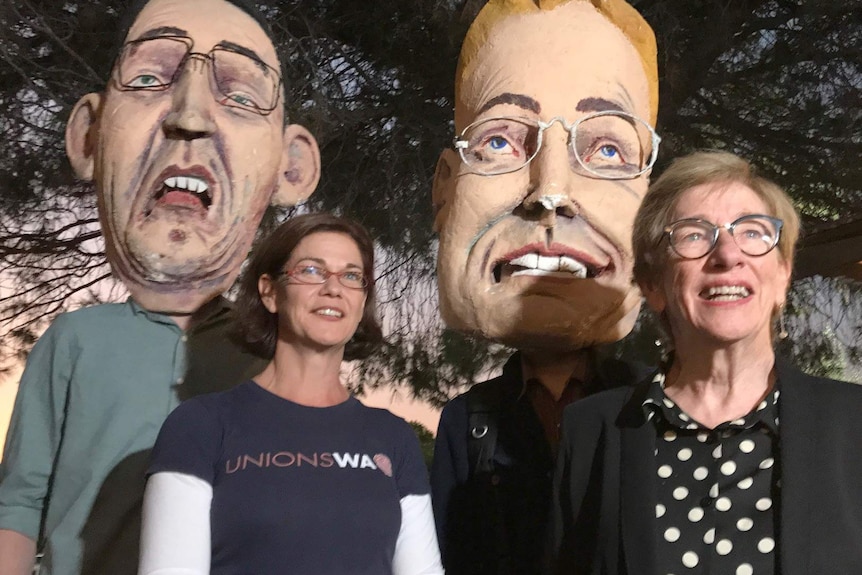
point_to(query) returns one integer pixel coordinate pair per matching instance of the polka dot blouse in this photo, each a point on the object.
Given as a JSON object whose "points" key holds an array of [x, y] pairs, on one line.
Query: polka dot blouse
{"points": [[717, 489]]}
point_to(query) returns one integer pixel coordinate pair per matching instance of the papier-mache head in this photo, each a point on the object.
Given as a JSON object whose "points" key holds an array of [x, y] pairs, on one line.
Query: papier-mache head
{"points": [[554, 107], [187, 146]]}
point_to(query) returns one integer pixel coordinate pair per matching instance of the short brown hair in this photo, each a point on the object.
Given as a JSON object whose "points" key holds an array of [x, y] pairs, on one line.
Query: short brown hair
{"points": [[697, 169], [259, 326]]}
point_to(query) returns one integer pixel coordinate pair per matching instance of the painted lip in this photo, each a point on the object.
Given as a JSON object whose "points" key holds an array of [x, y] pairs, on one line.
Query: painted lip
{"points": [[200, 205], [594, 268]]}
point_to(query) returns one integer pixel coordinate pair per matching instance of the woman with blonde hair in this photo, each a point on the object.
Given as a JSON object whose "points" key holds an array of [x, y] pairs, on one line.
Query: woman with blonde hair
{"points": [[727, 459]]}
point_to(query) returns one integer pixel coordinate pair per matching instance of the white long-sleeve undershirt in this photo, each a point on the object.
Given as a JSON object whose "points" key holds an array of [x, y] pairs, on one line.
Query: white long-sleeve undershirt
{"points": [[175, 535]]}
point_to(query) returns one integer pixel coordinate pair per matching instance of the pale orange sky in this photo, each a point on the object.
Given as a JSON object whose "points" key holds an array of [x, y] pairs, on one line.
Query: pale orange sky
{"points": [[8, 387], [400, 404]]}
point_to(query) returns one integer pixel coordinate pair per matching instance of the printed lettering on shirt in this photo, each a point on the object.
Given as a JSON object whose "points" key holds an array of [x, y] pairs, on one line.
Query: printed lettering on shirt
{"points": [[283, 459]]}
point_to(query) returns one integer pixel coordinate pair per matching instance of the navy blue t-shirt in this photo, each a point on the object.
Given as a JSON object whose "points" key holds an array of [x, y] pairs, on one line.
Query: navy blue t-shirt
{"points": [[296, 489]]}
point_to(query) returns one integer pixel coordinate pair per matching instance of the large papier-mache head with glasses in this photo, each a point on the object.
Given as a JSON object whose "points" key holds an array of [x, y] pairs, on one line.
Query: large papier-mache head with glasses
{"points": [[555, 107], [187, 145]]}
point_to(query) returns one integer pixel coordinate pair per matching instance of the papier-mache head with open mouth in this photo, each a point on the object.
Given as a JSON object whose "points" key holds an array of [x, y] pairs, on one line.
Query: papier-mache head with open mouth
{"points": [[187, 146], [555, 103]]}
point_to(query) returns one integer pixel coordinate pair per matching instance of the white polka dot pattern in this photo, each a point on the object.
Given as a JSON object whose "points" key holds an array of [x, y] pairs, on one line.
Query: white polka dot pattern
{"points": [[716, 490], [723, 547], [690, 559], [766, 545]]}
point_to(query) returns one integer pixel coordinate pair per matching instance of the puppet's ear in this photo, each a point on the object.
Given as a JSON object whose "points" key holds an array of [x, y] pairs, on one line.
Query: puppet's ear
{"points": [[81, 135], [299, 171], [444, 187]]}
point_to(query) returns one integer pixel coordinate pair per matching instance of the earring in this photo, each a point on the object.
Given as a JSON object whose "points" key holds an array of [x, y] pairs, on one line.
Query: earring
{"points": [[782, 329], [665, 349]]}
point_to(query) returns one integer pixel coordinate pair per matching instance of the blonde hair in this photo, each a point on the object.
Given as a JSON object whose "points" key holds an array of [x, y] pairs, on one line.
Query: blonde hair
{"points": [[618, 12], [697, 169]]}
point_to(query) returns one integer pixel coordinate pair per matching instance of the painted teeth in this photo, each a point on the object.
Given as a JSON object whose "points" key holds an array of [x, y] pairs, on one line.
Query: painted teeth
{"points": [[535, 264], [330, 312], [730, 292], [190, 183]]}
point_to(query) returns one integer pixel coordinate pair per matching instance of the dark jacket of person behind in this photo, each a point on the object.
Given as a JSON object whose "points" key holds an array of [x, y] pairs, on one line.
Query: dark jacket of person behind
{"points": [[492, 469]]}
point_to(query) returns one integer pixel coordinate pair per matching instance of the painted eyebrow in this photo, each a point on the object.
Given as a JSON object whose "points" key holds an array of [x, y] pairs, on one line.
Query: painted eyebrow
{"points": [[586, 105], [241, 50], [598, 105], [173, 31], [162, 31], [520, 100]]}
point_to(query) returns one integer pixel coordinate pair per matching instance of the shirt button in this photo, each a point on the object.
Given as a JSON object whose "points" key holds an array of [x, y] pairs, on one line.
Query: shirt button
{"points": [[184, 338], [180, 381]]}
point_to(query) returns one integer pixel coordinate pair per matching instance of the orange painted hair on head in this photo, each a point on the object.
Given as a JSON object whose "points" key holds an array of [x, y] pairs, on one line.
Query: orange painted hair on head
{"points": [[618, 12]]}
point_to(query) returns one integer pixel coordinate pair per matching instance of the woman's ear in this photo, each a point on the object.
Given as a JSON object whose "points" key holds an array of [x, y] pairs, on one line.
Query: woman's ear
{"points": [[266, 287], [654, 296]]}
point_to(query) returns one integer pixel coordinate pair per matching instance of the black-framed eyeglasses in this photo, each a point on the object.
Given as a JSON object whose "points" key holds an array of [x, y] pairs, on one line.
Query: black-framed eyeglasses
{"points": [[237, 79], [314, 274], [609, 145], [754, 234]]}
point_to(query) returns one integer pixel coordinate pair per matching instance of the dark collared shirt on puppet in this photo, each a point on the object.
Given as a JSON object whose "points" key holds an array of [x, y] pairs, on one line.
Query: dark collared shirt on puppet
{"points": [[549, 409], [717, 489]]}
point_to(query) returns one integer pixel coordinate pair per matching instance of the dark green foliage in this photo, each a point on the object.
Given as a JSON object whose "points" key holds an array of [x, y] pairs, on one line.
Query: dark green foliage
{"points": [[776, 80], [426, 441], [824, 319]]}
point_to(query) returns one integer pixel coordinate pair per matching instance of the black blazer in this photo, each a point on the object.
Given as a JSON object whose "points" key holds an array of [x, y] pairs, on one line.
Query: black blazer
{"points": [[605, 483]]}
